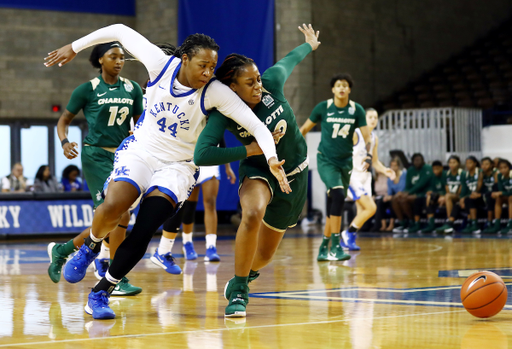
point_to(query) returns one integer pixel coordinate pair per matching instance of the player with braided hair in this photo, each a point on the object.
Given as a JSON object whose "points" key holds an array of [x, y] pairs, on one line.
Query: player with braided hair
{"points": [[260, 198], [156, 161]]}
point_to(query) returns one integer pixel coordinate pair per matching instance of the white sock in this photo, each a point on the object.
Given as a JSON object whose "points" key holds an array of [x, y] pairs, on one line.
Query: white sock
{"points": [[94, 238], [186, 237], [211, 240], [104, 252], [111, 279], [165, 245]]}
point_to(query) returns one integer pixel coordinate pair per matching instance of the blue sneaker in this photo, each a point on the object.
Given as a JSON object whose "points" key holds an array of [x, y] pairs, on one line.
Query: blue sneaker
{"points": [[350, 240], [97, 305], [166, 261], [343, 244], [189, 252], [76, 267], [100, 267], [211, 255]]}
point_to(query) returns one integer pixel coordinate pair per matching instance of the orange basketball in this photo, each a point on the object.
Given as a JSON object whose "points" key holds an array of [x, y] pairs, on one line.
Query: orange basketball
{"points": [[483, 294]]}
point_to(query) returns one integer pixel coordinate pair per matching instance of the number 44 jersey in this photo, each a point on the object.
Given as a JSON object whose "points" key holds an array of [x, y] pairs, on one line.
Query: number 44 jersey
{"points": [[338, 126]]}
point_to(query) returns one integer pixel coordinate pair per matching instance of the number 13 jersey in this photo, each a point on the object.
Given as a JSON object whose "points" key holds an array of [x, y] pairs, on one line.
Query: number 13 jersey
{"points": [[338, 126]]}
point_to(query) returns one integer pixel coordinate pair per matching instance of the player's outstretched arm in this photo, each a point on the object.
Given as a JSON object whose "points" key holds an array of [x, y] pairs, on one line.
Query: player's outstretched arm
{"points": [[379, 166], [310, 36]]}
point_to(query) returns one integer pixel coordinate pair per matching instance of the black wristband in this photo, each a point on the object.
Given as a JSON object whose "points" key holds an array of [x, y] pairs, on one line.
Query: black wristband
{"points": [[369, 155], [64, 141]]}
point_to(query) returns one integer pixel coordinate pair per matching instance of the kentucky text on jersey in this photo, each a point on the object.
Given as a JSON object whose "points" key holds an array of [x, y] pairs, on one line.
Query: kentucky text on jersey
{"points": [[115, 100], [161, 107]]}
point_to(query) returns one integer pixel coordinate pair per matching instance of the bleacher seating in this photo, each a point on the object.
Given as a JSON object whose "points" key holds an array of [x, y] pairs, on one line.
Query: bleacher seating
{"points": [[479, 76]]}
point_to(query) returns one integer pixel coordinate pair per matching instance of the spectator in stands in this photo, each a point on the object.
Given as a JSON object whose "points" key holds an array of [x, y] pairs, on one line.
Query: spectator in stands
{"points": [[394, 187], [417, 184], [14, 182], [470, 194], [502, 196], [490, 184], [70, 180], [45, 182], [453, 187], [436, 195]]}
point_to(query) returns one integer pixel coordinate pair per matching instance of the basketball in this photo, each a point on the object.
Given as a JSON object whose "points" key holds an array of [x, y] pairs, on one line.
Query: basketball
{"points": [[483, 294]]}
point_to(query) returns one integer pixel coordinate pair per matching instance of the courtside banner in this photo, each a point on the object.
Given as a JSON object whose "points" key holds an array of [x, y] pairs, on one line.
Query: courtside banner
{"points": [[46, 216]]}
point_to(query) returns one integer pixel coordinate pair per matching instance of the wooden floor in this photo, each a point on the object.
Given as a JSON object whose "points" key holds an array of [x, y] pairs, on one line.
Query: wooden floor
{"points": [[398, 292]]}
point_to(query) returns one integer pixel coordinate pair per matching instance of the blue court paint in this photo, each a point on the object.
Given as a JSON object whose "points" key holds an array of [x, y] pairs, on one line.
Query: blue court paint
{"points": [[505, 273]]}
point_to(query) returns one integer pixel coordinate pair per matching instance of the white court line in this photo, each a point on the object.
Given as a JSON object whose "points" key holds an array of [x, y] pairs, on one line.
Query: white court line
{"points": [[221, 329]]}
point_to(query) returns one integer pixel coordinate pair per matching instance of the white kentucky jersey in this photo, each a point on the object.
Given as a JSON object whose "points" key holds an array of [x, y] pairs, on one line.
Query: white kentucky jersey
{"points": [[172, 120], [359, 152]]}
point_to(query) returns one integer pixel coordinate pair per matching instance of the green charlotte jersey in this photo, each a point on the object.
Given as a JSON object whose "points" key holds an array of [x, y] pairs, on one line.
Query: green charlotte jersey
{"points": [[505, 184], [489, 182], [469, 182], [107, 108], [338, 126], [417, 181], [273, 110], [453, 181], [437, 184]]}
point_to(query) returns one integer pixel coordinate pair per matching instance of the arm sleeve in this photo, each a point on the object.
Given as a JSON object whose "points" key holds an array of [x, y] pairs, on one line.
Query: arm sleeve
{"points": [[229, 104], [138, 107], [275, 77], [79, 98], [423, 181], [207, 153], [137, 45], [318, 110]]}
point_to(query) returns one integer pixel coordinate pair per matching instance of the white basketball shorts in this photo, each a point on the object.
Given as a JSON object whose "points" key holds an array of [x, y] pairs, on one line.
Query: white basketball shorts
{"points": [[208, 172], [360, 185]]}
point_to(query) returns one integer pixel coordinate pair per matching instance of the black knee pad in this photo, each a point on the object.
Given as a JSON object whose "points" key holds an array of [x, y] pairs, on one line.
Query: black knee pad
{"points": [[338, 201], [173, 224], [189, 212], [329, 205]]}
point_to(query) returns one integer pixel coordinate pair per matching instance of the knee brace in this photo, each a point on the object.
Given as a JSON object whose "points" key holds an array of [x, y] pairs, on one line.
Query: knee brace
{"points": [[328, 208], [338, 201], [189, 212]]}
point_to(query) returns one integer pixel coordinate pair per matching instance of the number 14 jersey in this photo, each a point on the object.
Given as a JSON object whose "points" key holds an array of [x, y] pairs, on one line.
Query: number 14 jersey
{"points": [[338, 126]]}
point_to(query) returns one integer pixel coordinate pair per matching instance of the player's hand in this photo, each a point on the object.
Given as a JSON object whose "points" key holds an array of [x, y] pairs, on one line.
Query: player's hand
{"points": [[69, 150], [277, 134], [276, 167], [474, 195], [367, 162], [390, 174], [230, 174], [253, 149], [310, 36], [61, 56], [462, 205], [496, 194]]}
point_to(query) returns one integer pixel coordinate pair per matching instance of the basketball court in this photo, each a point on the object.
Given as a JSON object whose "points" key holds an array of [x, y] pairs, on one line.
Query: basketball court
{"points": [[398, 292]]}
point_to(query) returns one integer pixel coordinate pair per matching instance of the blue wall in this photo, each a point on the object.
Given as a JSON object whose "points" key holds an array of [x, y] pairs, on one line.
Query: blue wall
{"points": [[112, 7], [237, 26]]}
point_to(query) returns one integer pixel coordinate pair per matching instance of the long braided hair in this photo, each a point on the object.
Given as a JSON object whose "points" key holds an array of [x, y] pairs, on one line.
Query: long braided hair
{"points": [[228, 71]]}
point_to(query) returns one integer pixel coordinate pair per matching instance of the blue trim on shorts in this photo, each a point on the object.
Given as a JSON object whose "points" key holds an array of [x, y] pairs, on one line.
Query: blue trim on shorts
{"points": [[128, 180], [164, 190], [205, 112], [172, 82], [354, 196], [151, 83], [127, 139], [206, 180]]}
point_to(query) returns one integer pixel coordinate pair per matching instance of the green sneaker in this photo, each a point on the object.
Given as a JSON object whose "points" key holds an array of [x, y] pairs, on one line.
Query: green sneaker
{"points": [[253, 275], [468, 229], [414, 228], [323, 251], [508, 228], [336, 253], [446, 228], [57, 260], [494, 228], [238, 300], [430, 227], [124, 288]]}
